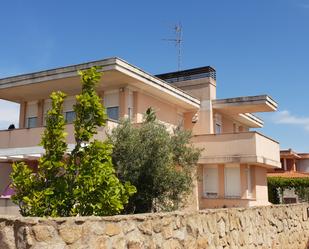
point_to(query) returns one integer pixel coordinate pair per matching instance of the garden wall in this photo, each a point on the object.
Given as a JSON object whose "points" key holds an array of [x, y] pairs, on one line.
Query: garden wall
{"points": [[282, 226]]}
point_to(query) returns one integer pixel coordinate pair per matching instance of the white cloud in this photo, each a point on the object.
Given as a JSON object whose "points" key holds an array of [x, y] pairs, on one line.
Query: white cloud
{"points": [[9, 114], [285, 117]]}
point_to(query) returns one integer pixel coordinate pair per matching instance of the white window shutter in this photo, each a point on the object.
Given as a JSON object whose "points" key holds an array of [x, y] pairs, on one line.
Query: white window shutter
{"points": [[210, 180], [111, 99], [232, 181]]}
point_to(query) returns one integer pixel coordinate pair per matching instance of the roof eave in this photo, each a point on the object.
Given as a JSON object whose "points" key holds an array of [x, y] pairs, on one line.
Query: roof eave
{"points": [[113, 63]]}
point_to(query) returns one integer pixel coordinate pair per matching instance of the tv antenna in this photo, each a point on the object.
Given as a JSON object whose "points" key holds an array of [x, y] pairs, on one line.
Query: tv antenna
{"points": [[178, 42]]}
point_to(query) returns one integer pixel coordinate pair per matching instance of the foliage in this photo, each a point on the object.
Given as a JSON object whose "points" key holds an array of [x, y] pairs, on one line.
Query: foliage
{"points": [[160, 165], [83, 183], [43, 193], [276, 186]]}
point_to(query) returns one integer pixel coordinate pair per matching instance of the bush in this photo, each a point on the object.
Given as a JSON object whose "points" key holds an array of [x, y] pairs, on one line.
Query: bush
{"points": [[276, 186]]}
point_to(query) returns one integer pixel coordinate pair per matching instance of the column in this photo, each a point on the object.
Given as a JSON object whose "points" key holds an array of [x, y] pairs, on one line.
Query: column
{"points": [[123, 102], [221, 181], [135, 107], [40, 114], [22, 114], [244, 181]]}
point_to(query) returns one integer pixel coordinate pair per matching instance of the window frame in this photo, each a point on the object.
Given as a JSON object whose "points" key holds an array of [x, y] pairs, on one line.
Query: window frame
{"points": [[28, 122], [65, 117], [118, 109]]}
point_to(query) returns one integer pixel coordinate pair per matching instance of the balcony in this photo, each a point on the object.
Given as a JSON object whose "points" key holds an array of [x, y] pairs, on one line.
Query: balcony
{"points": [[246, 147], [18, 138]]}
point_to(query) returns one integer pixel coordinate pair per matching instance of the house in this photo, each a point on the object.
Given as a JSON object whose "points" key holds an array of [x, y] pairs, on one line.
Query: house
{"points": [[293, 165], [232, 168]]}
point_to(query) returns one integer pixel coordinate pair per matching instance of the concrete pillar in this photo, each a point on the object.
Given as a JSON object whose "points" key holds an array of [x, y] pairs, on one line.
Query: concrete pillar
{"points": [[40, 114], [101, 96], [221, 181], [253, 180], [22, 114], [123, 102], [135, 118], [243, 181]]}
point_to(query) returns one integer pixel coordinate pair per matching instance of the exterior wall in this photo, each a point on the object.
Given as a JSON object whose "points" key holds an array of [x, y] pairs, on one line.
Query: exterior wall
{"points": [[31, 137], [125, 98], [232, 126], [167, 113], [277, 227], [244, 147], [258, 197], [5, 171], [261, 192], [204, 90]]}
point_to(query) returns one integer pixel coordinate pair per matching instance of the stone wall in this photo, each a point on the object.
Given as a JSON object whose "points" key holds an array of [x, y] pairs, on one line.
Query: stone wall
{"points": [[282, 226]]}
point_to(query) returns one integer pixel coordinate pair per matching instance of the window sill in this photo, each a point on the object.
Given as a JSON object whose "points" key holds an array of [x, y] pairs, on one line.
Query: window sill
{"points": [[229, 198]]}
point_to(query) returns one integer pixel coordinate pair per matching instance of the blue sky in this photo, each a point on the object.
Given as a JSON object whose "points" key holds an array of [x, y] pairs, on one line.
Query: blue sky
{"points": [[257, 46]]}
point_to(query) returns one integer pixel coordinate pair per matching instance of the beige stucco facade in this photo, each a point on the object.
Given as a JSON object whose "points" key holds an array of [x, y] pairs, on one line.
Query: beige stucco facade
{"points": [[220, 127]]}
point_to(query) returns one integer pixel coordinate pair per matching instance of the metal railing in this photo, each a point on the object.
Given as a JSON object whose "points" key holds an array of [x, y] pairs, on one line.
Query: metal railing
{"points": [[192, 77]]}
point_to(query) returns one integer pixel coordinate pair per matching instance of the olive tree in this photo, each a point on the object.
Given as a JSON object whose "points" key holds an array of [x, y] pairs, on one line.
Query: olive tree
{"points": [[160, 164]]}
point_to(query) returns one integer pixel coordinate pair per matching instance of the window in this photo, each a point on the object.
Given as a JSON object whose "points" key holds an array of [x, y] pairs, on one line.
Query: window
{"points": [[232, 181], [218, 123], [32, 122], [210, 180], [113, 112], [130, 113], [70, 117], [218, 128]]}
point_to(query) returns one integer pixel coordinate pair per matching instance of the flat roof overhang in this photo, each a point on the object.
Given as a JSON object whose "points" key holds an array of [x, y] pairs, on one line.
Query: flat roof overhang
{"points": [[25, 153], [117, 73], [304, 155], [247, 104], [249, 120], [289, 154]]}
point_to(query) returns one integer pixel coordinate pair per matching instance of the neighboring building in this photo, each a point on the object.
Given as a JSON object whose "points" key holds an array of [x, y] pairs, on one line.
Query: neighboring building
{"points": [[232, 168], [293, 165]]}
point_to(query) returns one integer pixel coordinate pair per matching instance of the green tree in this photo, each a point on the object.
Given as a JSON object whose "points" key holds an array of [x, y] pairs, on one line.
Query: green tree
{"points": [[83, 183], [44, 192], [96, 188], [161, 165]]}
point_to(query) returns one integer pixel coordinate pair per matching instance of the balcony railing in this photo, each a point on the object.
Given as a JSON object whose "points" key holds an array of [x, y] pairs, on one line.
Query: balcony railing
{"points": [[190, 74], [32, 136], [245, 147]]}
